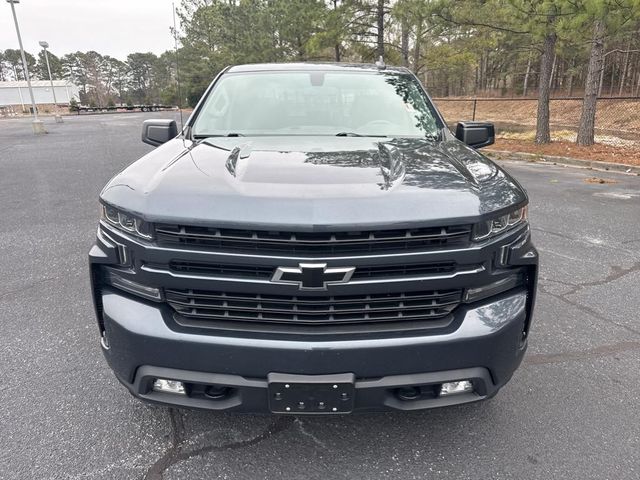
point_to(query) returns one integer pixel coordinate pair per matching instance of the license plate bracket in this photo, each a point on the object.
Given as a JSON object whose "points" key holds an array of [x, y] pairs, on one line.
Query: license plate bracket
{"points": [[311, 394]]}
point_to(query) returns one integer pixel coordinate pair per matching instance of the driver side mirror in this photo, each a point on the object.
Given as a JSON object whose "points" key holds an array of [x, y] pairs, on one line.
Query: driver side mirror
{"points": [[476, 134], [156, 132]]}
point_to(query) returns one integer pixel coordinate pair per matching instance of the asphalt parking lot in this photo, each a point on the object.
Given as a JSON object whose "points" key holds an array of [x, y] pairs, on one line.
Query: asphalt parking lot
{"points": [[570, 412]]}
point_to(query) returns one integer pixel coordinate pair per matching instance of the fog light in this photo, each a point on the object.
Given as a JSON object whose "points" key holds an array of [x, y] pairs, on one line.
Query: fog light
{"points": [[169, 386], [454, 388]]}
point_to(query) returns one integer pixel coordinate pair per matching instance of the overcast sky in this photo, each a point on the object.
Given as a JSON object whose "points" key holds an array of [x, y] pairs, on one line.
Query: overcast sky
{"points": [[110, 27]]}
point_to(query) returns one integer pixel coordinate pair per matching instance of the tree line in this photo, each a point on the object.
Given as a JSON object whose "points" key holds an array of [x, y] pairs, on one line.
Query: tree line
{"points": [[101, 79], [536, 48]]}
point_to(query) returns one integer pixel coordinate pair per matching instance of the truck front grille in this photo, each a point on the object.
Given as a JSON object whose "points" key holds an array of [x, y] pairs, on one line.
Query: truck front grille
{"points": [[220, 278], [312, 310], [317, 243], [266, 272]]}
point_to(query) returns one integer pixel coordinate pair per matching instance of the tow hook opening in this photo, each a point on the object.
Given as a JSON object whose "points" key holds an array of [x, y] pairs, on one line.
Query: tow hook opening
{"points": [[410, 393], [217, 392]]}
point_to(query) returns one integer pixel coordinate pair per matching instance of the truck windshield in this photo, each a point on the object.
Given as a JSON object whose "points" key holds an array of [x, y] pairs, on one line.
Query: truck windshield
{"points": [[367, 103]]}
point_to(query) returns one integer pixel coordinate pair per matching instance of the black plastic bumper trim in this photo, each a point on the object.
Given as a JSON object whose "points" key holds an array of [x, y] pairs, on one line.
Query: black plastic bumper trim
{"points": [[251, 395]]}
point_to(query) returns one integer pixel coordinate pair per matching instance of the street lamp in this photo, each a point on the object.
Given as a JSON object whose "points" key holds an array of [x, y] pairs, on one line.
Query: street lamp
{"points": [[44, 46], [38, 126]]}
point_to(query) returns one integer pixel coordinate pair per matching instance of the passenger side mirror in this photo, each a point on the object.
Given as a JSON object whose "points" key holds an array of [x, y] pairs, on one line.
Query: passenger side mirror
{"points": [[156, 132], [476, 134]]}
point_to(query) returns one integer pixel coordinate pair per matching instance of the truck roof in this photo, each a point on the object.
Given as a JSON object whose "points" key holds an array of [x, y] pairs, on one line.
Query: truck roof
{"points": [[308, 66]]}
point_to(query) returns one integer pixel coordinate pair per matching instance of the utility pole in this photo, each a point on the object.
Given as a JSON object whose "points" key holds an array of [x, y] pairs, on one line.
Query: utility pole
{"points": [[57, 116], [37, 124]]}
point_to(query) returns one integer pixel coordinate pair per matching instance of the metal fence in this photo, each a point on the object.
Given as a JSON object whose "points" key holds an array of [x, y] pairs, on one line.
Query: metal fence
{"points": [[617, 118]]}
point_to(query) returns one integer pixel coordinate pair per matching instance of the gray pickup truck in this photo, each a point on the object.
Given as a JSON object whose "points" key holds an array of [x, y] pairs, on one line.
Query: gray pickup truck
{"points": [[314, 241]]}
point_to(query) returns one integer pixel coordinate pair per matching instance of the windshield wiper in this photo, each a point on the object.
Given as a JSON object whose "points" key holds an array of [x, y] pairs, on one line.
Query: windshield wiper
{"points": [[230, 134], [353, 134]]}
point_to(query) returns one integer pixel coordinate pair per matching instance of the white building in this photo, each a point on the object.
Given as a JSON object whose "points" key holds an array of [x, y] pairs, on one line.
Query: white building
{"points": [[16, 93]]}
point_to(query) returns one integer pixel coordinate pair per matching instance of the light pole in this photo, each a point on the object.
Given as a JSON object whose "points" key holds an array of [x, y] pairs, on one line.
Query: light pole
{"points": [[38, 126], [57, 116], [44, 46]]}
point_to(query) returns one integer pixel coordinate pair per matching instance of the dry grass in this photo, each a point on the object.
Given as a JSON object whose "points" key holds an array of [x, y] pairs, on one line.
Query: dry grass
{"points": [[621, 115], [599, 152], [569, 136], [617, 127], [600, 180]]}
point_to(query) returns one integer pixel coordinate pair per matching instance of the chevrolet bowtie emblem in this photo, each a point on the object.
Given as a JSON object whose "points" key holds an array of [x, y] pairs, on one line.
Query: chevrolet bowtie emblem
{"points": [[312, 276]]}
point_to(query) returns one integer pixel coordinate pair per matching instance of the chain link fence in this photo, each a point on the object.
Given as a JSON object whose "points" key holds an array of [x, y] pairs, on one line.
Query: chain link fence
{"points": [[617, 118]]}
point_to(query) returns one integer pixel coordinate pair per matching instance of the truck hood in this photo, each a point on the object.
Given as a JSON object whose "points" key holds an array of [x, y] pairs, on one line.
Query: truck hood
{"points": [[313, 183]]}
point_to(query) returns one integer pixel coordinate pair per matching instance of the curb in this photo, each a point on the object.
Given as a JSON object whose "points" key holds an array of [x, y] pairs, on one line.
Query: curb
{"points": [[567, 161]]}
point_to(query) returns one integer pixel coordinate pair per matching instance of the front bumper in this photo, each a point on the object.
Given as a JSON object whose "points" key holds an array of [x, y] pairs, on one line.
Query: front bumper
{"points": [[486, 347], [483, 342]]}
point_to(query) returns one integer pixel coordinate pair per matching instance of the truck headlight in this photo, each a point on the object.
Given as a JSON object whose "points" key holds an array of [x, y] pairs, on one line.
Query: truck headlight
{"points": [[497, 225], [111, 277], [125, 222]]}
